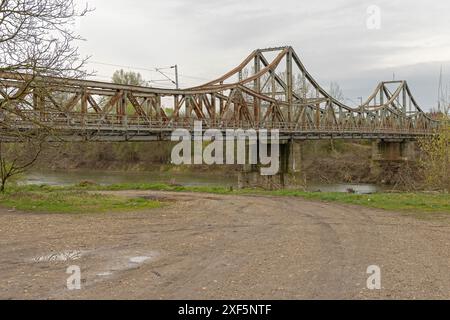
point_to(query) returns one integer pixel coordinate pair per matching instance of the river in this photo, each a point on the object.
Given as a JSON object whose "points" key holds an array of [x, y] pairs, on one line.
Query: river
{"points": [[65, 178]]}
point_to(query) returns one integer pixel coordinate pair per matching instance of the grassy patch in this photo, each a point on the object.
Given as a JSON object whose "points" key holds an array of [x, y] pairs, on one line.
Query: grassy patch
{"points": [[56, 200], [417, 202]]}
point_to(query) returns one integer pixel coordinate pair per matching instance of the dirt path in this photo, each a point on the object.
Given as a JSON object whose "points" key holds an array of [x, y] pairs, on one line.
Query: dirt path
{"points": [[203, 246]]}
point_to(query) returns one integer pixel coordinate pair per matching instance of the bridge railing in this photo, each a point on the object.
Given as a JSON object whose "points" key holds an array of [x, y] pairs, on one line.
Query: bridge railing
{"points": [[111, 122]]}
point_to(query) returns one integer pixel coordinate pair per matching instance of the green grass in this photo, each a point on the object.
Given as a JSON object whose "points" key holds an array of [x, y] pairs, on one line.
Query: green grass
{"points": [[76, 198], [70, 201], [413, 202]]}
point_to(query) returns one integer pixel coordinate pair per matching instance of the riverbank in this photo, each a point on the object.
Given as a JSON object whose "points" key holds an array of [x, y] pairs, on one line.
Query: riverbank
{"points": [[90, 197], [322, 161]]}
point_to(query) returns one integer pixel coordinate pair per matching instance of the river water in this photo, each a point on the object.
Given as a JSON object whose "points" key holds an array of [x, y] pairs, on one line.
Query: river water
{"points": [[65, 178]]}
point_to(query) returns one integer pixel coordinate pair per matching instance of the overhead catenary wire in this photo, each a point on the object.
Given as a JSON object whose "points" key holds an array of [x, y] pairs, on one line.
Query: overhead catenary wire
{"points": [[128, 67], [153, 69], [158, 83]]}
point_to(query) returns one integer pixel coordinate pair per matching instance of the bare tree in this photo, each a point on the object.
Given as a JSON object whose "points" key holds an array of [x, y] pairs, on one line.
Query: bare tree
{"points": [[37, 40], [444, 102], [37, 37], [128, 78], [17, 157], [336, 92]]}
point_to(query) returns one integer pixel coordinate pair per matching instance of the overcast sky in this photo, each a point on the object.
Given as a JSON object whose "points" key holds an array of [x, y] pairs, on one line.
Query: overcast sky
{"points": [[208, 37]]}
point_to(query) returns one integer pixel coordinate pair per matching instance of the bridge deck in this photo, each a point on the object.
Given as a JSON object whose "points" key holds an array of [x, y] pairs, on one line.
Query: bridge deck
{"points": [[123, 128]]}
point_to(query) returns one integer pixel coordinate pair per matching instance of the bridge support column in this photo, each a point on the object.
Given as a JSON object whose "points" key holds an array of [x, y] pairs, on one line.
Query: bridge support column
{"points": [[290, 162], [249, 177], [294, 156], [392, 150], [388, 156]]}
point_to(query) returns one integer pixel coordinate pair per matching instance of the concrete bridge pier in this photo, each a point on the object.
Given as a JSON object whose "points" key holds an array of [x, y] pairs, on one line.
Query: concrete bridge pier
{"points": [[393, 150], [248, 177], [389, 155], [290, 169]]}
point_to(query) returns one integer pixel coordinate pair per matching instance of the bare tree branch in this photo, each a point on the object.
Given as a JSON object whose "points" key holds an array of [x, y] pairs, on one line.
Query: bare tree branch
{"points": [[37, 40]]}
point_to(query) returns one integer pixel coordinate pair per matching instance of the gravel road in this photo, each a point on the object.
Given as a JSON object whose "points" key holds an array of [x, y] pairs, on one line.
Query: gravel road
{"points": [[201, 246]]}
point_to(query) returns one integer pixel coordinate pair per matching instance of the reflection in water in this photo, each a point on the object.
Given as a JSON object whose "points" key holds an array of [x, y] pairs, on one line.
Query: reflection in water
{"points": [[64, 178]]}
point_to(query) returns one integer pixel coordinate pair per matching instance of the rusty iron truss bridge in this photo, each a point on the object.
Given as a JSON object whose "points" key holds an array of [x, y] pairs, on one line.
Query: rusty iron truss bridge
{"points": [[270, 89]]}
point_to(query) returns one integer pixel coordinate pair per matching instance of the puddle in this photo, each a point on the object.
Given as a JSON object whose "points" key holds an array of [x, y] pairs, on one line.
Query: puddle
{"points": [[139, 260], [104, 274], [60, 256], [126, 262], [111, 261]]}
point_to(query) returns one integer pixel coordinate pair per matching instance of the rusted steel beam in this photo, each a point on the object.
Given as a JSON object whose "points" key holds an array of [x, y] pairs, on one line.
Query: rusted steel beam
{"points": [[273, 94]]}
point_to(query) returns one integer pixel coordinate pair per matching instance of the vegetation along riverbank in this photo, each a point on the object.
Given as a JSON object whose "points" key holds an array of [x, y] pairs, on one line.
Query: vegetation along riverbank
{"points": [[89, 198]]}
